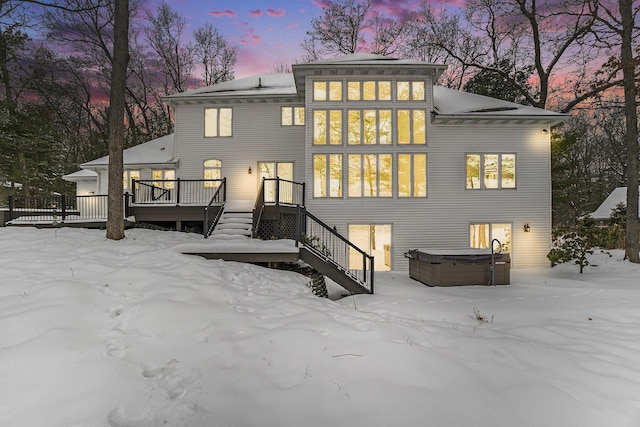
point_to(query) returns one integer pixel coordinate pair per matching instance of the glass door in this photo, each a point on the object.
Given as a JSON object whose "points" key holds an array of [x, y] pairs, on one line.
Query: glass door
{"points": [[282, 170]]}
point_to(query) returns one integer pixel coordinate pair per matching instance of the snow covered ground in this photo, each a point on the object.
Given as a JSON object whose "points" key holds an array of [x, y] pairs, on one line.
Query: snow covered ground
{"points": [[133, 333]]}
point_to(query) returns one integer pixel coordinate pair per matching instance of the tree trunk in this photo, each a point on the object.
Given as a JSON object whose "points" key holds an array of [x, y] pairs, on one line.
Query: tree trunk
{"points": [[115, 215], [632, 246]]}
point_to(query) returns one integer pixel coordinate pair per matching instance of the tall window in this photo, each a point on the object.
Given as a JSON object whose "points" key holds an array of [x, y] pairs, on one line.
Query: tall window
{"points": [[127, 176], [481, 235], [218, 122], [491, 170], [369, 127], [292, 116], [370, 175], [166, 178], [412, 127], [212, 170], [412, 175], [327, 175], [327, 127], [327, 91], [410, 91]]}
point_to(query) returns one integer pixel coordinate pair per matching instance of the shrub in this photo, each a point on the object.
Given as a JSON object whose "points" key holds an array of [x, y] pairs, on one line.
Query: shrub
{"points": [[575, 242]]}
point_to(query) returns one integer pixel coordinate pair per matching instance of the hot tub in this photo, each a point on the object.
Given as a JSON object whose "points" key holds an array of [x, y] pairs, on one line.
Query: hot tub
{"points": [[457, 267]]}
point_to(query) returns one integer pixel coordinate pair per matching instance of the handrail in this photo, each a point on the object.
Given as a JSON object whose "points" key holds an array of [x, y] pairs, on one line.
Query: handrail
{"points": [[258, 208], [222, 189], [287, 192], [326, 243], [187, 191]]}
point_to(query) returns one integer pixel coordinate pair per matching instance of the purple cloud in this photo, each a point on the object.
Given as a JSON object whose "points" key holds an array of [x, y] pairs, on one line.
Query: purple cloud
{"points": [[255, 13], [222, 13], [275, 13]]}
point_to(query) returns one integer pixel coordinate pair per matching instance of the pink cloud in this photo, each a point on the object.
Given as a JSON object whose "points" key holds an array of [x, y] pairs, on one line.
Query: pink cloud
{"points": [[322, 3], [292, 26], [251, 38], [255, 13], [275, 13], [222, 13]]}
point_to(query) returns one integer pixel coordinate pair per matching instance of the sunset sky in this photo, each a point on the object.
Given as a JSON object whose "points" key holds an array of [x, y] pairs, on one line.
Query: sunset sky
{"points": [[270, 32]]}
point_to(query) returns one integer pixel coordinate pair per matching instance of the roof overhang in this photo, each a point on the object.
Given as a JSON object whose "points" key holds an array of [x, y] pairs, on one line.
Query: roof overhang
{"points": [[227, 98], [491, 119]]}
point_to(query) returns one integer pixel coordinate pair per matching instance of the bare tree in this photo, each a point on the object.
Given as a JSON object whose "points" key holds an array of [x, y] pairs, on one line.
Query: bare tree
{"points": [[349, 26], [165, 34], [212, 52], [526, 32], [115, 216]]}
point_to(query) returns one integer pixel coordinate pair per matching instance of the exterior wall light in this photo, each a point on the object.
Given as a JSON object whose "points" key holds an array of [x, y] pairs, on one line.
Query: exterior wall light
{"points": [[249, 170], [527, 228], [545, 130]]}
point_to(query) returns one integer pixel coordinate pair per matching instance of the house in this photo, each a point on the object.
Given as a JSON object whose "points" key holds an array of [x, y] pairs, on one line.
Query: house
{"points": [[387, 158], [604, 211]]}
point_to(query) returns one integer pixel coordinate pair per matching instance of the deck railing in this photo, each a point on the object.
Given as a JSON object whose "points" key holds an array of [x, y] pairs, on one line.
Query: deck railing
{"points": [[278, 191], [326, 243], [211, 215], [174, 191], [57, 208]]}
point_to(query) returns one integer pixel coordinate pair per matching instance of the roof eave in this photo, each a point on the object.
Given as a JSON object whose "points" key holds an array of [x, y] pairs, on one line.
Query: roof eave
{"points": [[527, 119]]}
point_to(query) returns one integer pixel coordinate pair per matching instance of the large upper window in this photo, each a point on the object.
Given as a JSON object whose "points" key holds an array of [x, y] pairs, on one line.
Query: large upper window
{"points": [[369, 91], [412, 175], [491, 170], [481, 236], [292, 116], [327, 91], [327, 127], [369, 127], [410, 91], [218, 122], [327, 175], [412, 127], [370, 175]]}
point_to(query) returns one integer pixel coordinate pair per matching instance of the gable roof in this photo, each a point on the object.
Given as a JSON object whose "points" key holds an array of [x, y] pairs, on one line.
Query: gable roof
{"points": [[81, 175], [155, 152], [618, 195], [454, 106]]}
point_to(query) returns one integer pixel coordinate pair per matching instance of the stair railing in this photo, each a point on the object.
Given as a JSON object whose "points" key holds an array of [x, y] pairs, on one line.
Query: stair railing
{"points": [[258, 208], [218, 200], [326, 243]]}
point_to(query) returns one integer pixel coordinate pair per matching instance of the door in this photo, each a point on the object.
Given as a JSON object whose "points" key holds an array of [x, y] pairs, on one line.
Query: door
{"points": [[282, 170]]}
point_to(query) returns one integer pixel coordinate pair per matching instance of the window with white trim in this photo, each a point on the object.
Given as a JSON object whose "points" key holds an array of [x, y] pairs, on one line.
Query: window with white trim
{"points": [[212, 169], [412, 126], [327, 91], [412, 175], [327, 175], [166, 178], [292, 116], [410, 91], [128, 176], [369, 127], [327, 127], [370, 175], [491, 170], [481, 235], [218, 122]]}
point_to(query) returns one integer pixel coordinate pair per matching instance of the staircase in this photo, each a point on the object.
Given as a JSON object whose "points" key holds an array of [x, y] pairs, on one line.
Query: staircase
{"points": [[236, 221]]}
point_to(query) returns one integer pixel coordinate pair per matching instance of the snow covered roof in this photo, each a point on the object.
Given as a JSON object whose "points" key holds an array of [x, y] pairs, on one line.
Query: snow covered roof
{"points": [[81, 175], [454, 106], [155, 152], [369, 59], [261, 85], [618, 195], [363, 64]]}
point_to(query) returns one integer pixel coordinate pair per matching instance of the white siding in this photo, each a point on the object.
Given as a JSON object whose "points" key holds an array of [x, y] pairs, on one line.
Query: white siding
{"points": [[442, 219], [257, 136]]}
